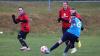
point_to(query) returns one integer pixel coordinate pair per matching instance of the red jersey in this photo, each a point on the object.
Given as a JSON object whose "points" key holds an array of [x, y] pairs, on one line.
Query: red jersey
{"points": [[24, 22], [66, 15]]}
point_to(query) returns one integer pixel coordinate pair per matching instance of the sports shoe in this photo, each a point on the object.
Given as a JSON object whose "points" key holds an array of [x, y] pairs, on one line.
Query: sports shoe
{"points": [[79, 44], [23, 48], [47, 51], [73, 50], [27, 49]]}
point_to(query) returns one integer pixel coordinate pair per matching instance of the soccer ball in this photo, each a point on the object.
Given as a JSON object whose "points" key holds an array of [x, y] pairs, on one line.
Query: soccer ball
{"points": [[1, 32], [43, 49]]}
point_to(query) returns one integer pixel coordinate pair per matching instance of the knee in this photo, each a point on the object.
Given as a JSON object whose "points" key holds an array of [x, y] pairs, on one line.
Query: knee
{"points": [[60, 41], [67, 42], [19, 37], [72, 46]]}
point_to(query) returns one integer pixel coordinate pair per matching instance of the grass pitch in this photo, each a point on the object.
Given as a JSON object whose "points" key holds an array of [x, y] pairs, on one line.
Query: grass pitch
{"points": [[9, 45]]}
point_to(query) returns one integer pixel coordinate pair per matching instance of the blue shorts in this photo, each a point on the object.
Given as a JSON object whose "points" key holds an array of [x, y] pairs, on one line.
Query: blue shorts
{"points": [[69, 37]]}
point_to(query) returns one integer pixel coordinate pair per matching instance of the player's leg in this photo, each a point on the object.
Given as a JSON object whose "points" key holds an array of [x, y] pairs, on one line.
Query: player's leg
{"points": [[21, 39], [56, 45], [68, 45], [66, 49], [66, 42], [78, 43], [63, 39], [73, 49], [71, 46], [24, 37]]}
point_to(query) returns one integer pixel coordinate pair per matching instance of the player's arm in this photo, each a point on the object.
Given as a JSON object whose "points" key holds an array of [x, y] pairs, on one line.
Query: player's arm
{"points": [[14, 19], [67, 21], [82, 27], [59, 19]]}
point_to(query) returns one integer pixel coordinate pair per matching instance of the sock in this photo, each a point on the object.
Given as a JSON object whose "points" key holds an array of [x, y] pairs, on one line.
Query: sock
{"points": [[23, 43], [54, 46], [67, 48]]}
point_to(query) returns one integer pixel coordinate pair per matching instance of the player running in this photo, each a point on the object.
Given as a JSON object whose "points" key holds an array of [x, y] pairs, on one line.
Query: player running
{"points": [[71, 35], [23, 20]]}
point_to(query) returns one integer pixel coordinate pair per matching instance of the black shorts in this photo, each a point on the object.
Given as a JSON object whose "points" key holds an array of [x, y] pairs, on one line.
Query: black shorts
{"points": [[22, 34], [69, 37]]}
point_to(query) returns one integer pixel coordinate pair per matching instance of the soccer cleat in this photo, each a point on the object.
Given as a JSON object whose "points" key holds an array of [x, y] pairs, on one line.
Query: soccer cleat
{"points": [[47, 51], [73, 50], [27, 49], [79, 44], [23, 48]]}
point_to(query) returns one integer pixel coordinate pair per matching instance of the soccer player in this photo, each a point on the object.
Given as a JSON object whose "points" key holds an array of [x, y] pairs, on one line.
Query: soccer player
{"points": [[82, 28], [73, 10], [23, 20], [64, 16], [70, 35]]}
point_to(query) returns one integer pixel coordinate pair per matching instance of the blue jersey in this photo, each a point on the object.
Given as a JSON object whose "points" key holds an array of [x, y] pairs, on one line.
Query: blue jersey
{"points": [[75, 27]]}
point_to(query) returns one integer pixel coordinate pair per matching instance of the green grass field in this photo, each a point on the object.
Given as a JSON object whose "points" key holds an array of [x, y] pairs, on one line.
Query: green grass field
{"points": [[45, 30], [9, 45]]}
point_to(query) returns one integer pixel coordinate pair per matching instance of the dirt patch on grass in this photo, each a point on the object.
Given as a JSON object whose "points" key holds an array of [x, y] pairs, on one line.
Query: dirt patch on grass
{"points": [[41, 20]]}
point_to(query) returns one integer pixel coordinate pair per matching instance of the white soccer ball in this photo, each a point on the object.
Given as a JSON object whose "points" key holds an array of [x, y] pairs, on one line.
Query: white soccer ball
{"points": [[43, 49], [1, 32]]}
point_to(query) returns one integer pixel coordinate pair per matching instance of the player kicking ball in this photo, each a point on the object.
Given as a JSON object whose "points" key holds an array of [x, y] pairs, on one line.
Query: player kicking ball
{"points": [[71, 35], [23, 20]]}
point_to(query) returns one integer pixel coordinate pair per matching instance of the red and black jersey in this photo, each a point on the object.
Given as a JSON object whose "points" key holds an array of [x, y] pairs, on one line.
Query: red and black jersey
{"points": [[65, 15], [24, 22]]}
